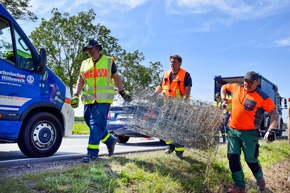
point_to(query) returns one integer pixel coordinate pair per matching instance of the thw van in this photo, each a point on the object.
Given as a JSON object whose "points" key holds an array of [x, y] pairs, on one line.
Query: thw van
{"points": [[35, 109]]}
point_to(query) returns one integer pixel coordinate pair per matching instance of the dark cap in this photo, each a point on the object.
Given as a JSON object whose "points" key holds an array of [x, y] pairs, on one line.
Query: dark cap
{"points": [[92, 43], [252, 76]]}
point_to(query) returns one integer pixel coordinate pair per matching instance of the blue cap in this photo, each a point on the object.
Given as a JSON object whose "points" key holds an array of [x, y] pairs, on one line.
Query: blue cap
{"points": [[92, 43]]}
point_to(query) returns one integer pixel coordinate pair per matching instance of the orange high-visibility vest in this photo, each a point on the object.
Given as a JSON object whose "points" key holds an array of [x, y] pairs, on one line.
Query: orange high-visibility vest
{"points": [[176, 87]]}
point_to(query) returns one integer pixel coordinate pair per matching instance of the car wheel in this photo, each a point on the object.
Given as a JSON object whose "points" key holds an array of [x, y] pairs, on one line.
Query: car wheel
{"points": [[41, 135], [122, 139]]}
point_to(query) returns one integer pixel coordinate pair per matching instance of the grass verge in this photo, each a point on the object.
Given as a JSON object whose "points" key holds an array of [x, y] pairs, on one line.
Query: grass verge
{"points": [[80, 129], [146, 172]]}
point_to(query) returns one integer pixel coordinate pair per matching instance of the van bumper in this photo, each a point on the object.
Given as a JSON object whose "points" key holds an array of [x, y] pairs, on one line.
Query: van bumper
{"points": [[68, 114]]}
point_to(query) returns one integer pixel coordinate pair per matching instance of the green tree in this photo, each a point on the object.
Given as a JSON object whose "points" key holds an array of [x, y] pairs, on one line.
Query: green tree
{"points": [[64, 36], [19, 9], [134, 74]]}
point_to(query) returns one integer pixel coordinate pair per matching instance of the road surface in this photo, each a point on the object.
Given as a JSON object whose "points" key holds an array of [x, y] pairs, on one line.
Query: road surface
{"points": [[76, 147]]}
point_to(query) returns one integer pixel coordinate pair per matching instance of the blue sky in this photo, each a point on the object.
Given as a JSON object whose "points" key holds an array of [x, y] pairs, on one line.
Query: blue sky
{"points": [[214, 37]]}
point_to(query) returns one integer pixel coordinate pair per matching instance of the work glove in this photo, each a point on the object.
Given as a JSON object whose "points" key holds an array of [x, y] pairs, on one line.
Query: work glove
{"points": [[126, 96], [75, 101], [270, 136]]}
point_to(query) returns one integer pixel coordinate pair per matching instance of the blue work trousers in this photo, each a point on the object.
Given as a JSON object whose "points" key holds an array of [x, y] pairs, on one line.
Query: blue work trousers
{"points": [[95, 116]]}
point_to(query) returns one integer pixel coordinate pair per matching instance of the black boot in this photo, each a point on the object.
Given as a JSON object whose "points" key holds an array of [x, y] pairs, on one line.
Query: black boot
{"points": [[179, 154], [170, 149], [111, 148]]}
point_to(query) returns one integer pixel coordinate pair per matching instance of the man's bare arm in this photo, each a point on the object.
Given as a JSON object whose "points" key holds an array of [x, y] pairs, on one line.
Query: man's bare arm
{"points": [[118, 81], [273, 119]]}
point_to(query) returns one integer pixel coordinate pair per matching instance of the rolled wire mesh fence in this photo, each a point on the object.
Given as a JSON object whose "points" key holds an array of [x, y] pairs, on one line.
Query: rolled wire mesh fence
{"points": [[192, 123]]}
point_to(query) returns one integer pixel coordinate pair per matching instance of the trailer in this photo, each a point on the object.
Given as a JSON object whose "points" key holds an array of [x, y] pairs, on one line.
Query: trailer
{"points": [[270, 89]]}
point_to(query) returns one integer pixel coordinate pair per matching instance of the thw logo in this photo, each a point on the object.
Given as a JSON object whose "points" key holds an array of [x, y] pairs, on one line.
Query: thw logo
{"points": [[96, 73]]}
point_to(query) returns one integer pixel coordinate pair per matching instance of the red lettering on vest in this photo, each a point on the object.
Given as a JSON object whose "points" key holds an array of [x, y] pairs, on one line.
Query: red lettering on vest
{"points": [[101, 72], [95, 73], [89, 74]]}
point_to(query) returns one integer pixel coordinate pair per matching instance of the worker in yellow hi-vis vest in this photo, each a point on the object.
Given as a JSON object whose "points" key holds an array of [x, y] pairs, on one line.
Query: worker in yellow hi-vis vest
{"points": [[95, 80]]}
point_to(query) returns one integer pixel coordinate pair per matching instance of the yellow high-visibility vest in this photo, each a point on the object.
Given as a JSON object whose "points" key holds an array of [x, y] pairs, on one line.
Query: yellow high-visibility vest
{"points": [[98, 80]]}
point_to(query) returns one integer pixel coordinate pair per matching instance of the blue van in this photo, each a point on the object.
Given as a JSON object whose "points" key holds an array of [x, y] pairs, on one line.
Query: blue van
{"points": [[35, 109]]}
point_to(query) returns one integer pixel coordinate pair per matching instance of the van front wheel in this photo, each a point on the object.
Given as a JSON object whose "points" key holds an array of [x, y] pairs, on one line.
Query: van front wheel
{"points": [[41, 135]]}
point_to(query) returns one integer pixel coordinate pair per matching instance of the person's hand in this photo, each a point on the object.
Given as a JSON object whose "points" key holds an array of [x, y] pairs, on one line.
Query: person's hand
{"points": [[185, 99], [154, 95], [224, 104], [126, 96], [75, 101], [270, 136]]}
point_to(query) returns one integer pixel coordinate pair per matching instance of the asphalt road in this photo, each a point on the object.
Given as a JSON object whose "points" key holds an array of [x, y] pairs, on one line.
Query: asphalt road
{"points": [[76, 147]]}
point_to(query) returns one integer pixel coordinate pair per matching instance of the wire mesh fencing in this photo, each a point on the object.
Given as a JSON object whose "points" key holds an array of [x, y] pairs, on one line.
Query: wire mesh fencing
{"points": [[192, 123]]}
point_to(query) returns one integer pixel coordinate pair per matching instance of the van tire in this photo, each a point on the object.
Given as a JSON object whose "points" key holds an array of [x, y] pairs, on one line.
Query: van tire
{"points": [[41, 135]]}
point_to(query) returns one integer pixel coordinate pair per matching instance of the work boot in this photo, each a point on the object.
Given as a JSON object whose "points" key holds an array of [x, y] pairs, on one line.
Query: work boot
{"points": [[224, 139], [170, 149], [261, 184], [89, 158], [179, 154], [236, 189], [111, 148]]}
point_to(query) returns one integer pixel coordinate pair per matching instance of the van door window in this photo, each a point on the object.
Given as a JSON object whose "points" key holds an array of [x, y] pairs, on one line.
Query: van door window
{"points": [[24, 58], [6, 44]]}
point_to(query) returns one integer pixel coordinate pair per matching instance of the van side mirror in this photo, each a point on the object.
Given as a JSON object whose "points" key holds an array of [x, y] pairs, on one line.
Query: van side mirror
{"points": [[42, 61]]}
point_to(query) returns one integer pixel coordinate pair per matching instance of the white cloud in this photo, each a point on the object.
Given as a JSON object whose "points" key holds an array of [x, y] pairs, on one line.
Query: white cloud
{"points": [[43, 8], [238, 9], [214, 13], [283, 42], [129, 3], [102, 7], [105, 7], [208, 15]]}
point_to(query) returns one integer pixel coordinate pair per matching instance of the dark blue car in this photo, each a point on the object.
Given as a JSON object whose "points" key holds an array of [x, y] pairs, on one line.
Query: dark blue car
{"points": [[120, 120]]}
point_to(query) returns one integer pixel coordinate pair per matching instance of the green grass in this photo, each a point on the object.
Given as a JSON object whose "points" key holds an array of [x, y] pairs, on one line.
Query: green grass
{"points": [[80, 129], [149, 172]]}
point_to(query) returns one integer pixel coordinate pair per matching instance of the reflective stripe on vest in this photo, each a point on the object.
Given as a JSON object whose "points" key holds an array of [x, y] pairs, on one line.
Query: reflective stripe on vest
{"points": [[98, 81], [176, 87]]}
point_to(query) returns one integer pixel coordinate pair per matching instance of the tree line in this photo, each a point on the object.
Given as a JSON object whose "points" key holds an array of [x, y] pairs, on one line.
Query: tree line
{"points": [[64, 36]]}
